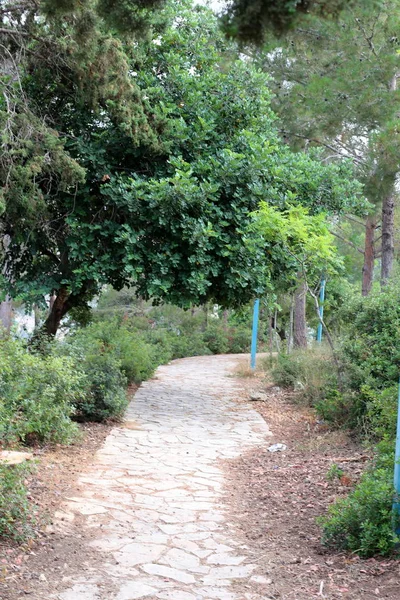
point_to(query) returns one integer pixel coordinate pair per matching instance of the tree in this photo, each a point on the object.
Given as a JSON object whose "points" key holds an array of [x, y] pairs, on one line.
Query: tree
{"points": [[251, 20], [336, 88], [305, 238], [177, 144]]}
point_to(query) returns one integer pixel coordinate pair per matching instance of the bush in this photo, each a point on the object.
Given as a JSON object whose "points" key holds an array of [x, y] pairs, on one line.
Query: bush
{"points": [[370, 346], [114, 337], [310, 372], [15, 513], [216, 339], [105, 396], [189, 345], [363, 522], [37, 395], [340, 409], [239, 339]]}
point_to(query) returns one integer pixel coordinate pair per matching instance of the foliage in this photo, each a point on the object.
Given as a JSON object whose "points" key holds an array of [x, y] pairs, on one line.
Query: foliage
{"points": [[363, 522], [37, 395], [300, 239], [98, 353], [334, 472], [369, 353], [178, 144], [310, 372], [367, 403], [336, 88], [250, 21], [173, 332], [341, 91], [15, 512], [370, 344]]}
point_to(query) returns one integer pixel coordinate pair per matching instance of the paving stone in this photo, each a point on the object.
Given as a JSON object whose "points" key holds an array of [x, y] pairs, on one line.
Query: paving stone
{"points": [[137, 554], [179, 559], [218, 573], [217, 594], [170, 573], [225, 559], [261, 579], [177, 595], [81, 591], [135, 589]]}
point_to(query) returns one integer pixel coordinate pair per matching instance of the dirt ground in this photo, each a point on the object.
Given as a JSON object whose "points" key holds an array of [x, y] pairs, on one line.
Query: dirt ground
{"points": [[274, 500], [54, 478]]}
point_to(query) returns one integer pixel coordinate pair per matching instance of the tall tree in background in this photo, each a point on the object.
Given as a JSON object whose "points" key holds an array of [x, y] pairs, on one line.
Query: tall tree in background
{"points": [[336, 87]]}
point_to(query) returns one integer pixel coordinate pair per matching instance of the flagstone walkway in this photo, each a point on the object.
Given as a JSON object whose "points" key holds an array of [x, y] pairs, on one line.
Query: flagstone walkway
{"points": [[152, 499]]}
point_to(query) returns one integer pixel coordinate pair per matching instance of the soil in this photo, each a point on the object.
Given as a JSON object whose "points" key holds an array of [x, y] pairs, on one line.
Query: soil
{"points": [[275, 498], [54, 477]]}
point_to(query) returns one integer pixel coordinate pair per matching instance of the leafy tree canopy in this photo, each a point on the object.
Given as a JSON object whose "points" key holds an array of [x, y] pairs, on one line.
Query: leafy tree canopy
{"points": [[173, 145]]}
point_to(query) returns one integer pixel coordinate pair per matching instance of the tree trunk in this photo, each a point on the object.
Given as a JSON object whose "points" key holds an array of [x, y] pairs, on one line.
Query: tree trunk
{"points": [[36, 314], [225, 318], [387, 237], [6, 313], [291, 319], [52, 299], [59, 309], [369, 256], [299, 317]]}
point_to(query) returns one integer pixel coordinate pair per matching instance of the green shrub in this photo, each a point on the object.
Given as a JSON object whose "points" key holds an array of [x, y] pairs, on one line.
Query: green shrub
{"points": [[37, 395], [341, 409], [311, 372], [192, 345], [106, 396], [114, 337], [334, 472], [161, 342], [239, 339], [363, 522], [15, 511], [216, 339]]}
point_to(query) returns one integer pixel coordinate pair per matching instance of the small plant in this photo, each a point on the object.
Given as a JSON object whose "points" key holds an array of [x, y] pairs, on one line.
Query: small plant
{"points": [[310, 372], [15, 512], [334, 472], [363, 522]]}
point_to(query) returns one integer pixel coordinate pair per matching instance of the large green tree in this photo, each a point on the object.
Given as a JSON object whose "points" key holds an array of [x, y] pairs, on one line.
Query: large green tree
{"points": [[171, 144]]}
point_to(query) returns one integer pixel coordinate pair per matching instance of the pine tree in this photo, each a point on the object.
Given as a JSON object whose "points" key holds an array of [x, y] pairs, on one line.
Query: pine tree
{"points": [[336, 88]]}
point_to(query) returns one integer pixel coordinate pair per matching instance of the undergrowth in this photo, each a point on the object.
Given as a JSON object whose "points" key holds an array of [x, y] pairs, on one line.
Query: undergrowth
{"points": [[16, 514], [366, 404]]}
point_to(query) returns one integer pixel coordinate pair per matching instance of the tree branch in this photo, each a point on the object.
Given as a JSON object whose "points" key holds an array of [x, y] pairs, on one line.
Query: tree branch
{"points": [[351, 218], [337, 151], [348, 242], [14, 32], [328, 336]]}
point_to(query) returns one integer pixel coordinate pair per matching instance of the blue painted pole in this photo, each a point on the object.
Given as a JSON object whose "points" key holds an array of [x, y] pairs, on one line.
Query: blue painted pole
{"points": [[321, 309], [396, 504], [254, 333]]}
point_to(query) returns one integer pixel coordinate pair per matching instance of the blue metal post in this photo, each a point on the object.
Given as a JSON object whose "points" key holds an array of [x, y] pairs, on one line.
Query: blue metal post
{"points": [[321, 309], [254, 334], [396, 504]]}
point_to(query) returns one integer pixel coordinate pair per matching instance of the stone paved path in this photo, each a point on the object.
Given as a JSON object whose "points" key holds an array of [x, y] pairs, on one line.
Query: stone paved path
{"points": [[152, 498]]}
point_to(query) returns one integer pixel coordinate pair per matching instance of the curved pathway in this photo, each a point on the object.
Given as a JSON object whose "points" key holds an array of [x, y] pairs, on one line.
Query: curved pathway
{"points": [[152, 499]]}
